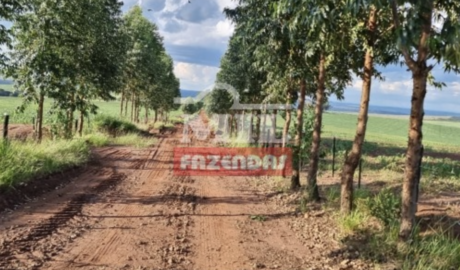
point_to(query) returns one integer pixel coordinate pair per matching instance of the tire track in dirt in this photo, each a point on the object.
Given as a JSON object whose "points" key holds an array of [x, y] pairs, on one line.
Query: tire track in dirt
{"points": [[221, 209], [152, 219], [26, 243], [113, 214], [146, 226], [58, 220]]}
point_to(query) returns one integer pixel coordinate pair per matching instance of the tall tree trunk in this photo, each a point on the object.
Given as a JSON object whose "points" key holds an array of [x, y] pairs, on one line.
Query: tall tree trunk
{"points": [[273, 131], [295, 179], [121, 105], [70, 123], [316, 142], [133, 104], [264, 127], [81, 122], [126, 106], [146, 115], [413, 155], [258, 121], [230, 123], [39, 128], [420, 72], [251, 127], [353, 158], [287, 124], [138, 111], [156, 115]]}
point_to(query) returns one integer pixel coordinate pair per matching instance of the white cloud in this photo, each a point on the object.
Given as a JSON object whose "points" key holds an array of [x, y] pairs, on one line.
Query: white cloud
{"points": [[174, 5], [213, 35], [224, 28], [213, 32], [357, 84], [455, 88], [402, 87], [227, 3], [195, 77]]}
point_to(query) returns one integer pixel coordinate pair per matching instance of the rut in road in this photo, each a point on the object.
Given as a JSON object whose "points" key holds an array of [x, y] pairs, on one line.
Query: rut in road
{"points": [[129, 211]]}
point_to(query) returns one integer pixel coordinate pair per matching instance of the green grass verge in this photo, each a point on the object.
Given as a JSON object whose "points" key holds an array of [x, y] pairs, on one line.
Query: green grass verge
{"points": [[22, 161], [376, 235]]}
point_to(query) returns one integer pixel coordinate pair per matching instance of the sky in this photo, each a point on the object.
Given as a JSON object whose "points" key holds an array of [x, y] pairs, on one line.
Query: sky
{"points": [[196, 35]]}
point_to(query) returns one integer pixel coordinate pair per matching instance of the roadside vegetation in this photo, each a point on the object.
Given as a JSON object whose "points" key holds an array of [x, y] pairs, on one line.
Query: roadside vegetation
{"points": [[299, 52], [372, 230], [73, 98], [24, 160]]}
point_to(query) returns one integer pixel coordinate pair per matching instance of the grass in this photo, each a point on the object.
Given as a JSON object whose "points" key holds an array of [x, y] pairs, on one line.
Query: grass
{"points": [[111, 108], [22, 161], [394, 130], [377, 240], [134, 140]]}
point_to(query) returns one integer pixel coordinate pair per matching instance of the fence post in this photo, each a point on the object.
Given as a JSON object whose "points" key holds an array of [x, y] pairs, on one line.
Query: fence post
{"points": [[5, 126], [333, 156], [360, 171]]}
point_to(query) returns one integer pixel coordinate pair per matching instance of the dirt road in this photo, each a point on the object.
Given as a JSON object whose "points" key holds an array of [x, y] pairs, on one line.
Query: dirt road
{"points": [[126, 210]]}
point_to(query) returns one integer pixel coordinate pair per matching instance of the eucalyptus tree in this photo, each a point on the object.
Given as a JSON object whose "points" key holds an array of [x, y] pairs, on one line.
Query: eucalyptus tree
{"points": [[237, 70], [144, 63], [279, 53], [232, 72], [67, 51], [372, 36], [428, 34], [166, 86], [101, 58], [323, 41]]}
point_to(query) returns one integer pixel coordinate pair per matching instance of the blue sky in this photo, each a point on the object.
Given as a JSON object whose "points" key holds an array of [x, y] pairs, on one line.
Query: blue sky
{"points": [[196, 36]]}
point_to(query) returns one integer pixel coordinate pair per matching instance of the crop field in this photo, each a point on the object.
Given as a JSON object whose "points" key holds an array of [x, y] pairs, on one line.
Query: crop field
{"points": [[390, 129], [10, 104], [7, 87], [438, 132]]}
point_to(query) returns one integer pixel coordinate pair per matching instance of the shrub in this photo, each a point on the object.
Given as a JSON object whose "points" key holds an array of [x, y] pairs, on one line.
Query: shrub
{"points": [[114, 126], [385, 206]]}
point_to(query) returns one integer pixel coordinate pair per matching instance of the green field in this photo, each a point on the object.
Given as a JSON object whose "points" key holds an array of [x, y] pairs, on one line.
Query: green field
{"points": [[442, 133], [9, 105], [7, 87], [391, 129]]}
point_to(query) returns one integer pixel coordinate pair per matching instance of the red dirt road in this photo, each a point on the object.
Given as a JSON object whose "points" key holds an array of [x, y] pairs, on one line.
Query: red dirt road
{"points": [[128, 211]]}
